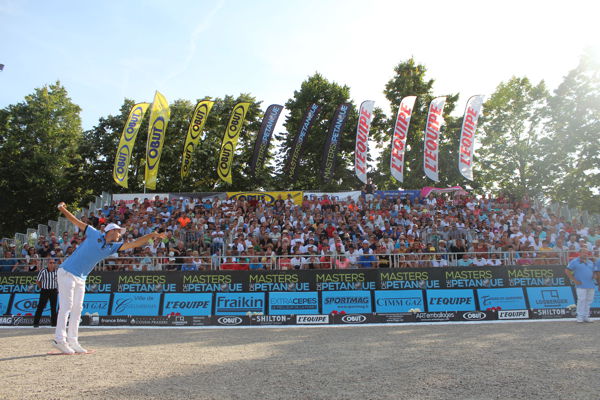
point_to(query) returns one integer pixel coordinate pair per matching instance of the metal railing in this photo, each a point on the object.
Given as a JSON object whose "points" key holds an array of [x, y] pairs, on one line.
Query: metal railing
{"points": [[305, 261]]}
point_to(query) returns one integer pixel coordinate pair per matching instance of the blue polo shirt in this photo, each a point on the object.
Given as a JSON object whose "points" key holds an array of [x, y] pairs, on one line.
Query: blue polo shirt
{"points": [[89, 253], [584, 272]]}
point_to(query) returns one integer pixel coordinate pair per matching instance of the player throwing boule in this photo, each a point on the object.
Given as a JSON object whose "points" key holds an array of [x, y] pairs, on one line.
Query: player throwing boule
{"points": [[74, 270]]}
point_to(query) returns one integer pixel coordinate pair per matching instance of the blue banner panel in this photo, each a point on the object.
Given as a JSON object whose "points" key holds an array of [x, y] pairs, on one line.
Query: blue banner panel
{"points": [[135, 304], [349, 301], [550, 297], [4, 299], [96, 303], [396, 301], [507, 299], [595, 303], [188, 303], [451, 300], [239, 303], [26, 303], [287, 303]]}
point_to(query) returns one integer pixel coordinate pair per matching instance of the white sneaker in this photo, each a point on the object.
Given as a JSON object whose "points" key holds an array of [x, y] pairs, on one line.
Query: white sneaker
{"points": [[63, 347], [77, 347], [587, 320]]}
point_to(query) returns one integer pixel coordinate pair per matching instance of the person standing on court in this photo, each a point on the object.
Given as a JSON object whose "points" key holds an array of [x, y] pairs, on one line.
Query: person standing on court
{"points": [[46, 281], [74, 270], [582, 271]]}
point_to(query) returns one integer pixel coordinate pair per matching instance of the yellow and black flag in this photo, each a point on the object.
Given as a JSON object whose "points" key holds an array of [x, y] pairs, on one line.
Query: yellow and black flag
{"points": [[125, 149], [159, 119], [193, 136], [230, 139]]}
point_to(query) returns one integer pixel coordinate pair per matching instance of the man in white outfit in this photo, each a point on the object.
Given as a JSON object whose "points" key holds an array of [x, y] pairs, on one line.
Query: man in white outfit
{"points": [[74, 270]]}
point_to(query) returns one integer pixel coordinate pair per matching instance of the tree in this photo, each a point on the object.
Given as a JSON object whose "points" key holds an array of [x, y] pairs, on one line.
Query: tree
{"points": [[510, 159], [38, 157], [409, 80], [573, 150]]}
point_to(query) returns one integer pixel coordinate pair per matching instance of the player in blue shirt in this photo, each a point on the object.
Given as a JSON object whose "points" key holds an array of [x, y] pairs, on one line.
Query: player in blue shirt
{"points": [[582, 272], [74, 270]]}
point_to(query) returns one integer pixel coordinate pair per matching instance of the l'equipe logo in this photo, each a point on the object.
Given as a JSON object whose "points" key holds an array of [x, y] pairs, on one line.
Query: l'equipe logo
{"points": [[312, 319], [513, 314]]}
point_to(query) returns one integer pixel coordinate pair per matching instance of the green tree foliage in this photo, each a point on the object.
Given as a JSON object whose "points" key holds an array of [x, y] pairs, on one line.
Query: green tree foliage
{"points": [[38, 157], [409, 80], [573, 150], [317, 89], [510, 159]]}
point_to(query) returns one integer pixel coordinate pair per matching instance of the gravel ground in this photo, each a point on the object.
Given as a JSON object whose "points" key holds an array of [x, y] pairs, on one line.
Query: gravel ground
{"points": [[543, 360]]}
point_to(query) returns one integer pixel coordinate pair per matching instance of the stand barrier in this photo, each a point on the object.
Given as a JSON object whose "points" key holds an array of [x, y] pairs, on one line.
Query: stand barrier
{"points": [[230, 298]]}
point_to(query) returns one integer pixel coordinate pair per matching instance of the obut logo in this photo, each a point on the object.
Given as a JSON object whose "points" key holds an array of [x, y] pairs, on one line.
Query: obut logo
{"points": [[235, 122], [229, 321], [134, 121], [226, 157], [474, 316], [158, 130], [354, 319], [201, 114], [122, 159]]}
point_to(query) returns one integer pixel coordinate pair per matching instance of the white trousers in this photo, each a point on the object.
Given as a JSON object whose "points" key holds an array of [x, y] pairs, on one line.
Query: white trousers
{"points": [[585, 297], [71, 290]]}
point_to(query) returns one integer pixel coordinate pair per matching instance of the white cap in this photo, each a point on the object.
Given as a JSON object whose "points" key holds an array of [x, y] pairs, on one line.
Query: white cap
{"points": [[112, 226]]}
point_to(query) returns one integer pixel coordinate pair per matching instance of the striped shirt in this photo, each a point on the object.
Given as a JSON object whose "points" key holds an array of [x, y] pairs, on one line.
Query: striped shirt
{"points": [[48, 279]]}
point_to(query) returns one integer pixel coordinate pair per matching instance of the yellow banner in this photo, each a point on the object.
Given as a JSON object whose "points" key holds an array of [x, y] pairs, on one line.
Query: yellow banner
{"points": [[269, 197], [159, 119], [125, 149], [193, 135], [230, 139]]}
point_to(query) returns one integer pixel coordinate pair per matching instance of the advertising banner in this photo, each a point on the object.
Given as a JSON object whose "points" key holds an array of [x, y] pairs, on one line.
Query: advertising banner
{"points": [[467, 136], [338, 196], [96, 303], [187, 303], [277, 281], [212, 281], [263, 139], [26, 303], [4, 300], [135, 304], [506, 298], [361, 151], [125, 149], [268, 197], [18, 282], [399, 137], [100, 283], [282, 303], [536, 276], [345, 280], [239, 303], [193, 135], [394, 279], [431, 142], [157, 129], [295, 154], [451, 300], [351, 302], [136, 282], [397, 194], [230, 139], [550, 297], [336, 128], [397, 301]]}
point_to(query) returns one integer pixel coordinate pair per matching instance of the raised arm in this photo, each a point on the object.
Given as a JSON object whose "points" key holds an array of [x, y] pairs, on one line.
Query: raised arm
{"points": [[143, 240], [78, 223]]}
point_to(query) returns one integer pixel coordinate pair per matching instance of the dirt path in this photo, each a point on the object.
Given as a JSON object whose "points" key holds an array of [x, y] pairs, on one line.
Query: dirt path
{"points": [[548, 360]]}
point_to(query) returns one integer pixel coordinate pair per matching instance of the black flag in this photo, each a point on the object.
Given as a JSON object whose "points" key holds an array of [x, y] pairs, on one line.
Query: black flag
{"points": [[296, 151], [263, 139], [333, 140]]}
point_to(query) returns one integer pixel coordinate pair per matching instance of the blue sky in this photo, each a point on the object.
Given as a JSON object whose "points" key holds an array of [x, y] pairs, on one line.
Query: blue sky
{"points": [[104, 51]]}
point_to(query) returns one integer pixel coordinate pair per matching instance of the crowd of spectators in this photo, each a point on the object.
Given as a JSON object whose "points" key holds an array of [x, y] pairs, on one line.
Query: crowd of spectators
{"points": [[370, 232]]}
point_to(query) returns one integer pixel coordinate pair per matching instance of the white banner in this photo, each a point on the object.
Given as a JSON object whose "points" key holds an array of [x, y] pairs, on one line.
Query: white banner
{"points": [[361, 152], [431, 142], [339, 196], [399, 137], [467, 136]]}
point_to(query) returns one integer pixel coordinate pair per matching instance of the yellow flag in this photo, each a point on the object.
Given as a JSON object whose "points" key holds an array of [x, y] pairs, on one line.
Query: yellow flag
{"points": [[159, 118], [230, 139], [193, 135], [125, 149]]}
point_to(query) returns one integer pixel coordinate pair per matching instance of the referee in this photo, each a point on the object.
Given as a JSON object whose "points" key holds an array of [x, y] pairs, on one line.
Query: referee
{"points": [[46, 280]]}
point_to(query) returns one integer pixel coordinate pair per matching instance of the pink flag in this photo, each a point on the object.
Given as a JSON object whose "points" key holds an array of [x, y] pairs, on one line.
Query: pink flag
{"points": [[361, 152], [399, 137]]}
